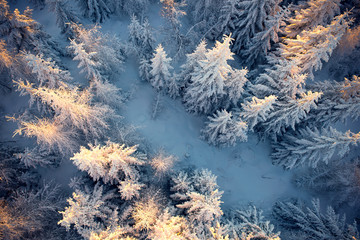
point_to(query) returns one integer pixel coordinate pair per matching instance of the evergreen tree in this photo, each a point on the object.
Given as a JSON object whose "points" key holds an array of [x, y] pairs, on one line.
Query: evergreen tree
{"points": [[46, 71], [262, 41], [192, 62], [18, 29], [340, 102], [234, 86], [311, 14], [141, 37], [314, 224], [339, 178], [248, 18], [206, 90], [256, 110], [64, 15], [223, 130], [95, 10], [281, 79], [85, 210], [71, 106], [312, 46], [288, 113], [144, 69], [112, 162], [160, 70], [312, 146], [86, 60]]}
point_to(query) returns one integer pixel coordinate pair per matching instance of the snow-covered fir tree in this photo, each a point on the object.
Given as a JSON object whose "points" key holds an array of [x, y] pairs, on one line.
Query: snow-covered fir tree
{"points": [[340, 102], [288, 113], [18, 29], [280, 79], [85, 210], [65, 15], [50, 135], [168, 226], [262, 41], [234, 86], [86, 61], [309, 147], [223, 130], [108, 50], [172, 10], [257, 110], [71, 106], [339, 178], [112, 162], [161, 78], [141, 37], [313, 46], [201, 199], [206, 89], [247, 19], [314, 224], [46, 71], [96, 10], [144, 69], [137, 7], [192, 62], [311, 14], [204, 13], [249, 223]]}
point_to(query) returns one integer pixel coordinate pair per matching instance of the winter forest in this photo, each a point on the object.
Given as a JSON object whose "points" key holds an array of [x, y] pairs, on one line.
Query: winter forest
{"points": [[180, 119]]}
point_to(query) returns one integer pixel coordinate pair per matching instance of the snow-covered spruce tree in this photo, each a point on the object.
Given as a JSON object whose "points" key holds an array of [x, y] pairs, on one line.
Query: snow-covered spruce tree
{"points": [[200, 197], [160, 71], [85, 210], [234, 86], [170, 226], [192, 62], [112, 162], [223, 130], [313, 224], [248, 20], [29, 212], [257, 110], [280, 79], [138, 7], [141, 37], [144, 69], [172, 11], [108, 50], [17, 29], [262, 41], [162, 164], [340, 102], [288, 113], [96, 10], [206, 89], [313, 46], [64, 15], [309, 147], [71, 106], [339, 178], [50, 135], [146, 211], [250, 224], [311, 14], [86, 60], [46, 71], [203, 13]]}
